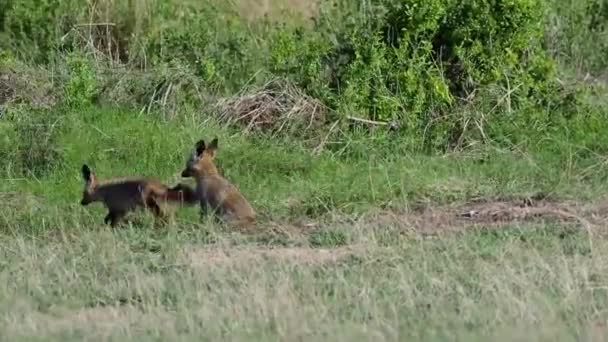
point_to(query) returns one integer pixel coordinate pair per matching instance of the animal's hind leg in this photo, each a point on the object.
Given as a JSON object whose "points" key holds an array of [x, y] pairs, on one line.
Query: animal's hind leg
{"points": [[204, 208], [156, 210]]}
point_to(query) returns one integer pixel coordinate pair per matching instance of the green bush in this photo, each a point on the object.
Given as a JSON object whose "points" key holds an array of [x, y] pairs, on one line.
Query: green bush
{"points": [[413, 60], [81, 85]]}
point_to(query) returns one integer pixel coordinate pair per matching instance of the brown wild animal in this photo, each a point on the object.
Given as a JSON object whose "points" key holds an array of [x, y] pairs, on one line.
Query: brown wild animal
{"points": [[123, 195], [214, 191]]}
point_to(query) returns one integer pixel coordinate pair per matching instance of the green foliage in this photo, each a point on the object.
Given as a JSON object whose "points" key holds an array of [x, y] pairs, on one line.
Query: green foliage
{"points": [[217, 48], [328, 238], [81, 86], [410, 60], [35, 28], [30, 144], [7, 151], [6, 58], [449, 73]]}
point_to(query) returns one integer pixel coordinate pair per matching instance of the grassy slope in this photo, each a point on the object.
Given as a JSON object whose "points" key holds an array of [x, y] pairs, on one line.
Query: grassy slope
{"points": [[64, 275], [277, 173]]}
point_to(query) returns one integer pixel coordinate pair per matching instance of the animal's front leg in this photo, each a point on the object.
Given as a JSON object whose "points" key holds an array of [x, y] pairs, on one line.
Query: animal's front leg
{"points": [[114, 217], [204, 208], [202, 199], [107, 219]]}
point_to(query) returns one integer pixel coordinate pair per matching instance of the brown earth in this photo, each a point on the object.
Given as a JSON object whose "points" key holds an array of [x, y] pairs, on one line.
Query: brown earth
{"points": [[480, 213], [492, 213], [420, 220]]}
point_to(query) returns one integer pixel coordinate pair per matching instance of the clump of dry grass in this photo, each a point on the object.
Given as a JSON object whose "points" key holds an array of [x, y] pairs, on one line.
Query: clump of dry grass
{"points": [[277, 9], [276, 106], [31, 86], [164, 89]]}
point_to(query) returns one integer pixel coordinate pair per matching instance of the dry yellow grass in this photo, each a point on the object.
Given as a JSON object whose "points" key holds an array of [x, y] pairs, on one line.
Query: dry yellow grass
{"points": [[101, 285], [253, 9]]}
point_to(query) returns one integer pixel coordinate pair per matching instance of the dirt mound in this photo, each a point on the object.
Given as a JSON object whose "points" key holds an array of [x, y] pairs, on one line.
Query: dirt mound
{"points": [[489, 213], [492, 211], [422, 219]]}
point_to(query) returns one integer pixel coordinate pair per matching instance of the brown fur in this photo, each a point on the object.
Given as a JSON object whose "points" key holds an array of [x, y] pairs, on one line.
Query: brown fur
{"points": [[123, 195], [215, 191]]}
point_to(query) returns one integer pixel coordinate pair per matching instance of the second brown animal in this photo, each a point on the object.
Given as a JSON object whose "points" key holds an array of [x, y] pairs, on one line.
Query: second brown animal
{"points": [[121, 196], [214, 191]]}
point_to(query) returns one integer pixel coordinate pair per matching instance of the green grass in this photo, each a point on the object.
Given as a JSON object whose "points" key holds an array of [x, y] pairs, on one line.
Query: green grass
{"points": [[280, 176], [66, 276]]}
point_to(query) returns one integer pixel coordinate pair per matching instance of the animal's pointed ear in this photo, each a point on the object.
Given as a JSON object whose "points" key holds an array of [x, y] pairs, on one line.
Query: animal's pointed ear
{"points": [[86, 173], [200, 147], [213, 144]]}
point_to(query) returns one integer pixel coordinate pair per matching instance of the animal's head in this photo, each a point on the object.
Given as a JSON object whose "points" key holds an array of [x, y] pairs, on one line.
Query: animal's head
{"points": [[201, 158], [90, 185]]}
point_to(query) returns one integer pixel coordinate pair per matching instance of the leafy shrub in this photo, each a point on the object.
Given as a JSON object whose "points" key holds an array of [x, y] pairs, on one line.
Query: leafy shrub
{"points": [[413, 60], [81, 86]]}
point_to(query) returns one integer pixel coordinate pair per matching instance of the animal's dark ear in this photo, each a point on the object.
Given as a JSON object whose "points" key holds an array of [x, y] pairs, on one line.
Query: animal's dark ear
{"points": [[213, 145], [200, 147], [86, 172]]}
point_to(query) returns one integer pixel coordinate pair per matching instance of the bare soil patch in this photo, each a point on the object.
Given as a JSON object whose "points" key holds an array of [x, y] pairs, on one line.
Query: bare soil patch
{"points": [[422, 219]]}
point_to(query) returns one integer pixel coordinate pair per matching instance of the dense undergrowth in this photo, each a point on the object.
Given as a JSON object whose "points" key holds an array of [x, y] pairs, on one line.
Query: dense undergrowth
{"points": [[441, 74]]}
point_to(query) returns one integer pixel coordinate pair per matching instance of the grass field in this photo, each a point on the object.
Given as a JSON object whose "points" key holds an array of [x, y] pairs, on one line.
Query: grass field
{"points": [[357, 246], [422, 170]]}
